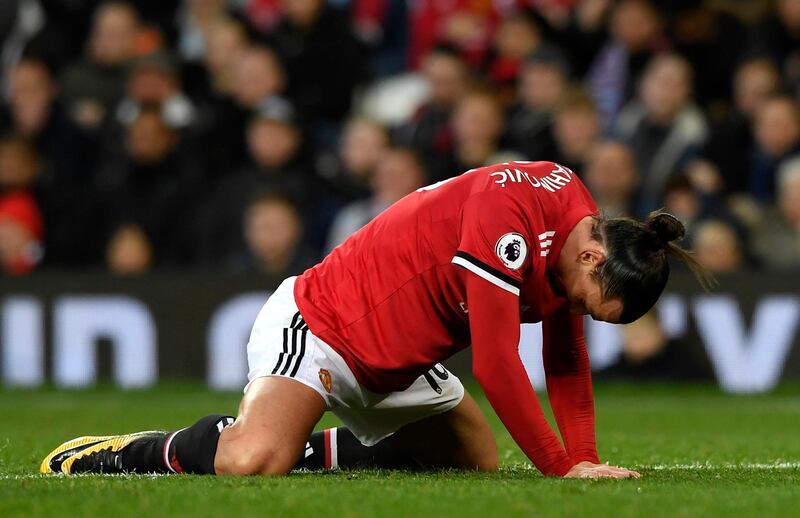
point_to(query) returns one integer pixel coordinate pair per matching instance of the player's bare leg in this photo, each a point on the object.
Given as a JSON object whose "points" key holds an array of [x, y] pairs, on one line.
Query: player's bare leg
{"points": [[459, 438], [275, 419]]}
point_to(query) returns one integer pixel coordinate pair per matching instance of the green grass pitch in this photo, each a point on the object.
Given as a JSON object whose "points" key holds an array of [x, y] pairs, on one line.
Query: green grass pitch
{"points": [[701, 453]]}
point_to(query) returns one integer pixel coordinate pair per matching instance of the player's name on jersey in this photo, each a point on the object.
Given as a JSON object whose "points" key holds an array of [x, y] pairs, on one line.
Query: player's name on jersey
{"points": [[558, 178]]}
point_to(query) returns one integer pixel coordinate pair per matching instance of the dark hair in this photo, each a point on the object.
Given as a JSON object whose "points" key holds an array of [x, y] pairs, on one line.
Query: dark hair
{"points": [[447, 49], [552, 56], [637, 266], [269, 196]]}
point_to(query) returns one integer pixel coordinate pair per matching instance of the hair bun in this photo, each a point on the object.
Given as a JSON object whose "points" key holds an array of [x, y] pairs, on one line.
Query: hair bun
{"points": [[665, 227]]}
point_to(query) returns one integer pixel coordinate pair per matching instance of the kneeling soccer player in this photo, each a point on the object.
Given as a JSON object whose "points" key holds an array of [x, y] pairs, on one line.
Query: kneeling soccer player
{"points": [[459, 263]]}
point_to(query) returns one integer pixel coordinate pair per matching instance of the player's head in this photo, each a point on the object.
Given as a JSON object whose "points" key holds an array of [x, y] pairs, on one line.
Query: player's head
{"points": [[623, 266], [635, 269]]}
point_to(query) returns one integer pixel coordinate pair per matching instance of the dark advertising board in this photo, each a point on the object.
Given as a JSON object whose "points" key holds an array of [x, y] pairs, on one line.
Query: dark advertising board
{"points": [[73, 330]]}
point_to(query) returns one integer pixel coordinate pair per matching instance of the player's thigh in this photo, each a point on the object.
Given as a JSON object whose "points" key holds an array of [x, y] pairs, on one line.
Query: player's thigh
{"points": [[276, 417], [460, 438]]}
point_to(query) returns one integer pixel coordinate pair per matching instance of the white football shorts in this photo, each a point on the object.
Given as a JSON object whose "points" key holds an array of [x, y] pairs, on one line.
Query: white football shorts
{"points": [[281, 344]]}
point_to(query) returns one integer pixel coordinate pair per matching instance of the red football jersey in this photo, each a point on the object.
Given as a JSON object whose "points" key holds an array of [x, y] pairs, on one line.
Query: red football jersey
{"points": [[391, 300]]}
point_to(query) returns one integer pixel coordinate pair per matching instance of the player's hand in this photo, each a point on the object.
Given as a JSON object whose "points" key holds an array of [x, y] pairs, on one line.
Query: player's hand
{"points": [[588, 469]]}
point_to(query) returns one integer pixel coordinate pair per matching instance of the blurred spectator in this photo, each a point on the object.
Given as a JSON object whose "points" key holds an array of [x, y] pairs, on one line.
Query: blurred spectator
{"points": [[33, 112], [154, 81], [383, 26], [777, 238], [273, 137], [777, 139], [429, 133], [20, 22], [65, 160], [195, 20], [93, 86], [19, 165], [31, 93], [363, 145], [712, 41], [681, 200], [257, 76], [273, 229], [516, 38], [324, 59], [397, 174], [464, 24], [692, 206], [649, 355], [663, 126], [129, 251], [152, 184], [612, 178], [636, 35], [21, 230], [543, 81], [717, 247], [580, 28], [778, 36], [643, 339], [576, 129], [731, 139], [225, 48], [263, 15], [477, 128], [276, 163]]}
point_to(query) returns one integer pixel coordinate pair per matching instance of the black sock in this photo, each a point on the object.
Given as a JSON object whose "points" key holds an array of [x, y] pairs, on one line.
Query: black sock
{"points": [[146, 455], [191, 450], [339, 448]]}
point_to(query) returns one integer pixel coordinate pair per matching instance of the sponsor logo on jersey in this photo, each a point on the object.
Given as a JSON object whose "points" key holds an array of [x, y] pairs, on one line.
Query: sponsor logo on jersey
{"points": [[545, 241], [326, 380], [558, 178], [512, 250]]}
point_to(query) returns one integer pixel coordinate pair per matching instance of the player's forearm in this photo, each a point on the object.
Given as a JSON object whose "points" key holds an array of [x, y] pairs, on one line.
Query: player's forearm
{"points": [[512, 398], [572, 401], [569, 384]]}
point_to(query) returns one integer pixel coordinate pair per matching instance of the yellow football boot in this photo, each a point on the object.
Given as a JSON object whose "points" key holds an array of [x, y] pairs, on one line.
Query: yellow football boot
{"points": [[52, 463], [99, 454]]}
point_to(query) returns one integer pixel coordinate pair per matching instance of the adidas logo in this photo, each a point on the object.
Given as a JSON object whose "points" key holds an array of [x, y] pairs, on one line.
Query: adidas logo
{"points": [[545, 240]]}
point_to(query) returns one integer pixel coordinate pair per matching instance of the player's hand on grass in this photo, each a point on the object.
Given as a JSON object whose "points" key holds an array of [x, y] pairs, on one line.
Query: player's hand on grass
{"points": [[588, 469]]}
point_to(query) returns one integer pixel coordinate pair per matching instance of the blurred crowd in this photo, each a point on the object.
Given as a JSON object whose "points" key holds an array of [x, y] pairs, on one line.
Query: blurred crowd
{"points": [[256, 135]]}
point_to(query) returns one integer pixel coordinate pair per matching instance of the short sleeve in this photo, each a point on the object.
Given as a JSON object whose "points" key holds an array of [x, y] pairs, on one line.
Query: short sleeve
{"points": [[495, 240]]}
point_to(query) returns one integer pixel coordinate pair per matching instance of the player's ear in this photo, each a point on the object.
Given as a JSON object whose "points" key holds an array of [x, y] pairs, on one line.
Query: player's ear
{"points": [[591, 257]]}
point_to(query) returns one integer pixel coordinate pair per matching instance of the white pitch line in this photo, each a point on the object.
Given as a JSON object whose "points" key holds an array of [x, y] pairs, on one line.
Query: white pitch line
{"points": [[36, 476], [727, 465], [759, 466]]}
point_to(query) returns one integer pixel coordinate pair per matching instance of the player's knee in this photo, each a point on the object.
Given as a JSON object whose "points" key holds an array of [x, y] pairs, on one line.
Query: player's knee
{"points": [[488, 463], [247, 461], [241, 456], [485, 458]]}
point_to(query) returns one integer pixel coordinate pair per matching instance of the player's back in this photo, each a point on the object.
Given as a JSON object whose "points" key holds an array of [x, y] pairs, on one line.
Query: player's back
{"points": [[390, 299]]}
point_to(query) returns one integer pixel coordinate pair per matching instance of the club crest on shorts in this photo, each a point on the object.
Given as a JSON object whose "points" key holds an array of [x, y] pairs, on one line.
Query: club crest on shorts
{"points": [[326, 380], [512, 250]]}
